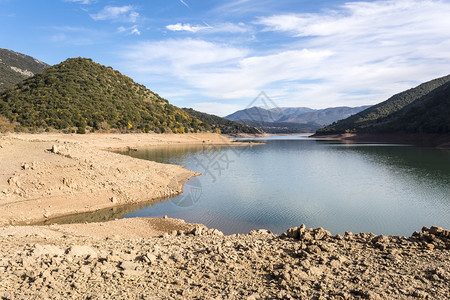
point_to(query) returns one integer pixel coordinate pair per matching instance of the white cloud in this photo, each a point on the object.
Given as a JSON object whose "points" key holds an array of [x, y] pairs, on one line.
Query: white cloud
{"points": [[129, 30], [80, 1], [186, 27], [217, 28], [180, 56], [360, 53], [125, 13]]}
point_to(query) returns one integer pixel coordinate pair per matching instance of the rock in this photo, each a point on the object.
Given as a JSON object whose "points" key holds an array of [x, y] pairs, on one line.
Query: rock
{"points": [[49, 250], [77, 251], [420, 294], [133, 272], [320, 234], [293, 233], [382, 239], [217, 232], [315, 271], [314, 249], [197, 231], [128, 265], [151, 257]]}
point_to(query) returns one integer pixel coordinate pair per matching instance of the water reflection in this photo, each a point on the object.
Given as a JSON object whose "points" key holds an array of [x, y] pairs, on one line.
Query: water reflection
{"points": [[385, 189], [390, 189]]}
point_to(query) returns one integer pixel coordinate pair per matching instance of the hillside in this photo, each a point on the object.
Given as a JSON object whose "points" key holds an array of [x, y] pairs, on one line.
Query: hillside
{"points": [[223, 125], [292, 119], [429, 114], [421, 109], [79, 92], [15, 67]]}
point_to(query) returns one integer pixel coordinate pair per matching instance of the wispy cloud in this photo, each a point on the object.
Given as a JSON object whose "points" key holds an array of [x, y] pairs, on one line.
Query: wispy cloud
{"points": [[186, 27], [129, 30], [80, 1], [77, 36], [125, 13], [216, 28], [184, 3]]}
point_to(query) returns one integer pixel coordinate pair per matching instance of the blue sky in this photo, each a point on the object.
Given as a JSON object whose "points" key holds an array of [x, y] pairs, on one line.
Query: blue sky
{"points": [[217, 56]]}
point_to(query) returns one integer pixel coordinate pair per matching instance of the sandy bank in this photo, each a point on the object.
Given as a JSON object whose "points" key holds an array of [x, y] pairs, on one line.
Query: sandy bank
{"points": [[441, 141], [50, 175]]}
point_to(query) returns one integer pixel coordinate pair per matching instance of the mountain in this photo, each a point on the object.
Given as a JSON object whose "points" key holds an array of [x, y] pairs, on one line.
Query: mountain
{"points": [[79, 92], [423, 109], [255, 114], [15, 67], [223, 125], [292, 119], [322, 117]]}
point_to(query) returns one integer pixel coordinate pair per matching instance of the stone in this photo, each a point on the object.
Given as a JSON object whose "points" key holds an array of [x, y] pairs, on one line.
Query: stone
{"points": [[151, 257], [128, 265], [49, 250], [382, 239], [77, 251]]}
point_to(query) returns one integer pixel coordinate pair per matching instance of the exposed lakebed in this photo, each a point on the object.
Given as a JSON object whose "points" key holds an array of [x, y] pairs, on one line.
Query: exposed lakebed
{"points": [[290, 180]]}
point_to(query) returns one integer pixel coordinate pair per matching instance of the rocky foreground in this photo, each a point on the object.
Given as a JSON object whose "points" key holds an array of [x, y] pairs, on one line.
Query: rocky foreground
{"points": [[203, 263]]}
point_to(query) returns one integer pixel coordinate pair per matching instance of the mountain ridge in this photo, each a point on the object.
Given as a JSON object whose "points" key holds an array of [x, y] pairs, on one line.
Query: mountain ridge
{"points": [[15, 67], [80, 93], [425, 108], [222, 125], [292, 119]]}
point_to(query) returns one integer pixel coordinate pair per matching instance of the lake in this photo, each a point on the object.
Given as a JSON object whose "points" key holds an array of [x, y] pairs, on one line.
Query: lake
{"points": [[290, 180]]}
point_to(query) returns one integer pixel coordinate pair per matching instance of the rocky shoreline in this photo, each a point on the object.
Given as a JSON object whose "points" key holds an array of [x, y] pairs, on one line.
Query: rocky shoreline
{"points": [[202, 263]]}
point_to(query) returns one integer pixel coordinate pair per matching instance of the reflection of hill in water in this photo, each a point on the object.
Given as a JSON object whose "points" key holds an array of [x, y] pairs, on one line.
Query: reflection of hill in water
{"points": [[172, 154], [421, 162], [102, 215]]}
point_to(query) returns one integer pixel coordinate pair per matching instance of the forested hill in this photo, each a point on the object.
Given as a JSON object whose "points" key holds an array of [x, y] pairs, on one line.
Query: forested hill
{"points": [[424, 109], [79, 92], [223, 125], [15, 67]]}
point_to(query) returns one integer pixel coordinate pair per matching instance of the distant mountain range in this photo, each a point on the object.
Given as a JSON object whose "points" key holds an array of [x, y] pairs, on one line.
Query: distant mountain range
{"points": [[424, 109], [292, 119], [15, 67], [223, 125]]}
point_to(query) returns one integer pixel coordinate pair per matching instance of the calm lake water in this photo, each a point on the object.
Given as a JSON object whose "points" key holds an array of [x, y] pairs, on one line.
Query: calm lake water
{"points": [[384, 189]]}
